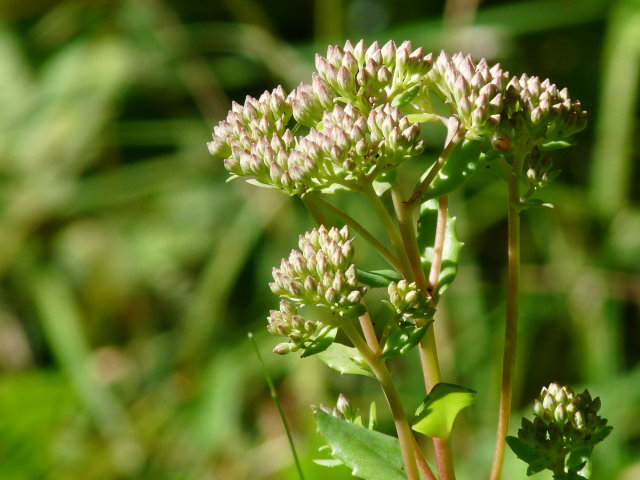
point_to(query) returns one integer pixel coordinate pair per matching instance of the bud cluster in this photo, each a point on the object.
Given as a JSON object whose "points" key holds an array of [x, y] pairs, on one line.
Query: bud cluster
{"points": [[575, 414], [351, 146], [489, 103], [255, 141], [539, 110], [409, 302], [321, 272], [287, 323], [565, 423], [473, 91], [365, 76]]}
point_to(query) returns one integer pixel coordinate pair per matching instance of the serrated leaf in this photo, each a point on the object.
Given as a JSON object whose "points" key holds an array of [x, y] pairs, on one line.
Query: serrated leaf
{"points": [[384, 181], [328, 462], [320, 344], [437, 414], [378, 278], [346, 360], [452, 246], [401, 339], [578, 461], [369, 454]]}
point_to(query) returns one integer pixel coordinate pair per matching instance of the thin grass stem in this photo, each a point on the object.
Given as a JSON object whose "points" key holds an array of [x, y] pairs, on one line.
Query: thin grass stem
{"points": [[276, 400]]}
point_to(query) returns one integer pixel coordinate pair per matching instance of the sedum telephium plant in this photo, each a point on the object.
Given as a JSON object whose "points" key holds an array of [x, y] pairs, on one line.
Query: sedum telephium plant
{"points": [[351, 129]]}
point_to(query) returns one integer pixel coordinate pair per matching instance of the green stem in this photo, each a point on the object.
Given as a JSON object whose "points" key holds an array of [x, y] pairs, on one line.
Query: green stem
{"points": [[391, 229], [358, 227], [388, 386], [276, 400], [438, 246], [511, 326], [455, 134], [427, 347]]}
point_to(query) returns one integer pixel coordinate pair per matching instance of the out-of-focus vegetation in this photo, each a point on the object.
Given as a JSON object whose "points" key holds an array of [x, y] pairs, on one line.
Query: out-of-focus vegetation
{"points": [[131, 272]]}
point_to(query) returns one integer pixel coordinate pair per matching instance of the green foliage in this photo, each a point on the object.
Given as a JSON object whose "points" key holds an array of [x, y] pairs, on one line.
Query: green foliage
{"points": [[369, 454], [437, 414], [402, 338], [345, 360]]}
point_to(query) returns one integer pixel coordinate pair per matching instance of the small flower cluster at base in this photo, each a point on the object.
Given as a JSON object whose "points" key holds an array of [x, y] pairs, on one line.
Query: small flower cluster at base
{"points": [[321, 272], [565, 424], [575, 414], [409, 302]]}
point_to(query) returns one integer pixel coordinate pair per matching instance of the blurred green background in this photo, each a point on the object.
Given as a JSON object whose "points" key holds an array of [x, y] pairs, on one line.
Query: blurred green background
{"points": [[131, 272]]}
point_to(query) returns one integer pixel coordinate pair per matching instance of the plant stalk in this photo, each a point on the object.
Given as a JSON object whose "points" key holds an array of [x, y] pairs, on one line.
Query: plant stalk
{"points": [[317, 201], [427, 347], [511, 325], [405, 436]]}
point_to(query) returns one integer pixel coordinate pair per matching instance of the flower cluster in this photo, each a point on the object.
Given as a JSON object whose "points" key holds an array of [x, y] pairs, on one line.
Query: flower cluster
{"points": [[540, 111], [408, 301], [473, 91], [351, 147], [491, 104], [575, 414], [564, 431], [255, 141], [321, 272], [365, 76]]}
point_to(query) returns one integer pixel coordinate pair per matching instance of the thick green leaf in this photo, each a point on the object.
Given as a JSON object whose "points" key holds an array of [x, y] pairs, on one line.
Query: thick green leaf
{"points": [[462, 162], [403, 338], [320, 344], [437, 414], [378, 278], [345, 360], [452, 246], [369, 454]]}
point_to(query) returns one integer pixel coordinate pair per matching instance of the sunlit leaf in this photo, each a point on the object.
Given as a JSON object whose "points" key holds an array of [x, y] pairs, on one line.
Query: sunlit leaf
{"points": [[369, 454], [344, 359], [437, 414]]}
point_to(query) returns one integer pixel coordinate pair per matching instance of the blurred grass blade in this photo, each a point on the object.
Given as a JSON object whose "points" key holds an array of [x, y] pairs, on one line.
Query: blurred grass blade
{"points": [[611, 170], [61, 324]]}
